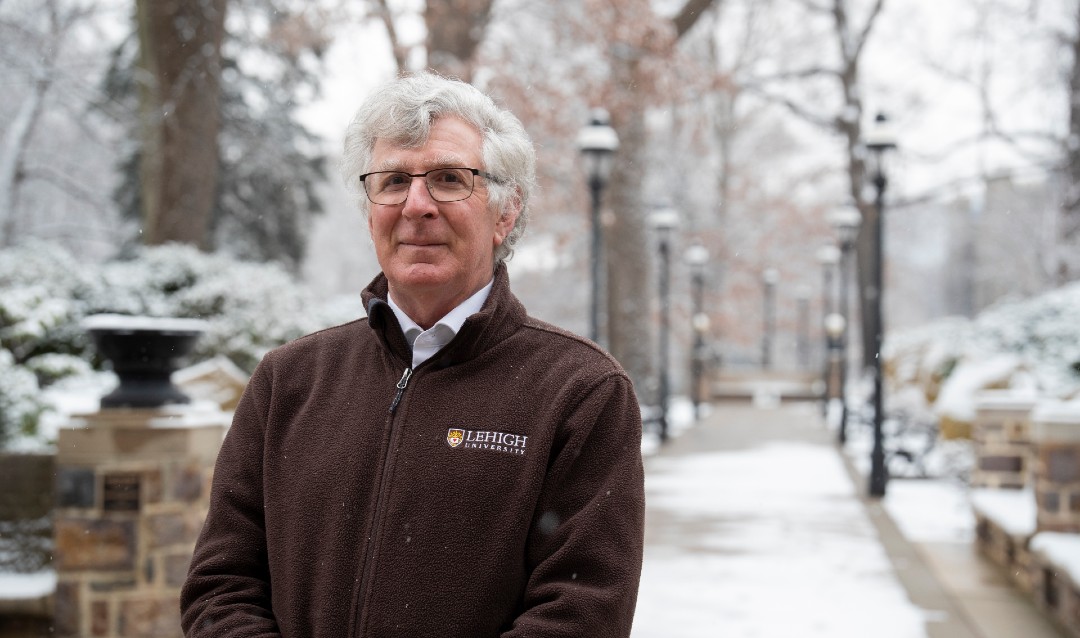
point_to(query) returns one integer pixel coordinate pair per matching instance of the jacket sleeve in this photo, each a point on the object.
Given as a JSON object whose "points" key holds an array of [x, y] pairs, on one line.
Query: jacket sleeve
{"points": [[585, 547], [227, 591]]}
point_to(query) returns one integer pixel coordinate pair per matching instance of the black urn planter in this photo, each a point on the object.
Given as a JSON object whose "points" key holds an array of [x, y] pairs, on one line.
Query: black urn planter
{"points": [[144, 352]]}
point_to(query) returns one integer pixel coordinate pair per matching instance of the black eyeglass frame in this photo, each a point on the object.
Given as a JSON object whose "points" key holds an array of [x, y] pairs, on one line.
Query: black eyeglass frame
{"points": [[474, 171]]}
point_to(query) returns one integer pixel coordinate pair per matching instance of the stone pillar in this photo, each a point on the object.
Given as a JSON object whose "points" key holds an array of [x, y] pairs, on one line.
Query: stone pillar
{"points": [[132, 493], [1056, 437], [1002, 438]]}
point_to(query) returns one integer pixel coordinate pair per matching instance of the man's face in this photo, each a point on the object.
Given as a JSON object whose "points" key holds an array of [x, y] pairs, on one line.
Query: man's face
{"points": [[436, 252]]}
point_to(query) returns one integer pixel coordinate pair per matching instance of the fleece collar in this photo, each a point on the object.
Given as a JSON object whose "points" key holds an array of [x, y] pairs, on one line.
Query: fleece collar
{"points": [[501, 315]]}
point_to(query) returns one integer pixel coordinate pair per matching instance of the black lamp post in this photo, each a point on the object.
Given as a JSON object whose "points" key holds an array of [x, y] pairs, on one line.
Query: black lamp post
{"points": [[846, 221], [828, 256], [597, 143], [696, 257], [879, 140], [663, 221], [835, 325], [768, 284]]}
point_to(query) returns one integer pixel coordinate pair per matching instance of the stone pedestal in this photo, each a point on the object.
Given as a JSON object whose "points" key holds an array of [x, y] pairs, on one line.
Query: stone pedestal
{"points": [[1056, 439], [132, 493], [1002, 438]]}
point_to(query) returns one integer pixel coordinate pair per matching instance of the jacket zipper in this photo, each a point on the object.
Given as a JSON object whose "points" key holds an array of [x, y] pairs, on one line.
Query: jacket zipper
{"points": [[400, 389], [380, 503]]}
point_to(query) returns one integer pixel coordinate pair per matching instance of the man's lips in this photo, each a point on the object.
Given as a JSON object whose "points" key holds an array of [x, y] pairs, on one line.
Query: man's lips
{"points": [[420, 243]]}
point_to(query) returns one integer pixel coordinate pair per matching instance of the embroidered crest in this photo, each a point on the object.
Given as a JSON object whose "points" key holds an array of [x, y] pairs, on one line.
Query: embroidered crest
{"points": [[505, 442]]}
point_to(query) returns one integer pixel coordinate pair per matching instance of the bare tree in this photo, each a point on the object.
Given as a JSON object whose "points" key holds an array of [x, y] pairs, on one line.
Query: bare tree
{"points": [[850, 39], [39, 53], [640, 43]]}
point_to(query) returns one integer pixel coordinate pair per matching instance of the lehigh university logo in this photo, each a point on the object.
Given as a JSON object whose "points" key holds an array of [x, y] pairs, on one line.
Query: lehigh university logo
{"points": [[505, 442]]}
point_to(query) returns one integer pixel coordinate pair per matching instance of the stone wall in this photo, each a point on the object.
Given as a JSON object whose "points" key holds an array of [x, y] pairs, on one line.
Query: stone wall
{"points": [[1002, 441], [1056, 436], [1032, 532], [132, 492]]}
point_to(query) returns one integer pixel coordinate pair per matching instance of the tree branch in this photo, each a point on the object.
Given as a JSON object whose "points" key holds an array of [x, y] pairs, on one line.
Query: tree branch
{"points": [[689, 15], [391, 33], [828, 123], [864, 34]]}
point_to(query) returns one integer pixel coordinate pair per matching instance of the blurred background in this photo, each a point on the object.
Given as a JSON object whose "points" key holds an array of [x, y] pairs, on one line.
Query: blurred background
{"points": [[218, 125], [729, 189]]}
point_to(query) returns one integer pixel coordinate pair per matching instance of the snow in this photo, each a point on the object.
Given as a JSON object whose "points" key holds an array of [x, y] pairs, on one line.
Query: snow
{"points": [[931, 511], [958, 393], [27, 586], [1021, 401], [1056, 422], [1012, 510], [766, 542], [1059, 549], [133, 323]]}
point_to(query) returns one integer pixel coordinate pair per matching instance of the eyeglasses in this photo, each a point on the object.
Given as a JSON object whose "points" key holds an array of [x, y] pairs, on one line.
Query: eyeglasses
{"points": [[391, 188]]}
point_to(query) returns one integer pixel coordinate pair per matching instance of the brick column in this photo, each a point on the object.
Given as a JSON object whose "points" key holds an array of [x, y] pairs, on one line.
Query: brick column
{"points": [[1056, 437], [132, 494], [1002, 437]]}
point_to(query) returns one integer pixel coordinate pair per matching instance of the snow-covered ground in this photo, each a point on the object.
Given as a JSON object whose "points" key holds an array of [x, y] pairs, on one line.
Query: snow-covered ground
{"points": [[779, 557], [773, 556]]}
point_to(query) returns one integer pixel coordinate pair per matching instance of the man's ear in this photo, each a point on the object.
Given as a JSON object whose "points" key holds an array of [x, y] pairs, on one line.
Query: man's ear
{"points": [[508, 217]]}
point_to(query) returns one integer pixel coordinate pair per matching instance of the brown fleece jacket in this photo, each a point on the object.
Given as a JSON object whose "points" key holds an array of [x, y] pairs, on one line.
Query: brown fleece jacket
{"points": [[497, 491]]}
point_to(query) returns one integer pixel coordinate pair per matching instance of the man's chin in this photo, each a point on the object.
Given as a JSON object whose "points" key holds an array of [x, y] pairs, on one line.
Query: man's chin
{"points": [[419, 276]]}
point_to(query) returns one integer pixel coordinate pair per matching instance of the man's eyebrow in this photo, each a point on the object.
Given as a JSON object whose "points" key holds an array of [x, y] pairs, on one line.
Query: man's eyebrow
{"points": [[442, 161], [446, 160]]}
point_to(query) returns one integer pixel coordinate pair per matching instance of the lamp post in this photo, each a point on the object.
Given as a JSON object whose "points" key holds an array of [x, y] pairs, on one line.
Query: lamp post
{"points": [[829, 257], [768, 281], [597, 143], [696, 257], [835, 325], [879, 140], [846, 221], [663, 221]]}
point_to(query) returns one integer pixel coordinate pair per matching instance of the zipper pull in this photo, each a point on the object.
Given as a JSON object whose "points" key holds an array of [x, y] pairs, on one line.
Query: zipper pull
{"points": [[400, 389]]}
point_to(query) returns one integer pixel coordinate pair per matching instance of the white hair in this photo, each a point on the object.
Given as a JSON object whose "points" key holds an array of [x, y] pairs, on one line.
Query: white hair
{"points": [[403, 110]]}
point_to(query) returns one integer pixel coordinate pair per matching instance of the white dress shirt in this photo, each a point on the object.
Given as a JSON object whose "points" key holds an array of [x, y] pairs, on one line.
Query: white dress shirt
{"points": [[425, 343]]}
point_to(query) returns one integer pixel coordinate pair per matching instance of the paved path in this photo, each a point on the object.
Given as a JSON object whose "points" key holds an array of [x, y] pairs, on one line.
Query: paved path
{"points": [[755, 528]]}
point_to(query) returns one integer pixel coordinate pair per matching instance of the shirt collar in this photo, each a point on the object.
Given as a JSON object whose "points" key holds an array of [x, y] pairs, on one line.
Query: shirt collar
{"points": [[453, 319]]}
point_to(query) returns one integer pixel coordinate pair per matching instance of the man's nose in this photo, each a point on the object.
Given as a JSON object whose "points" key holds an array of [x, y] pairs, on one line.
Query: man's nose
{"points": [[419, 202]]}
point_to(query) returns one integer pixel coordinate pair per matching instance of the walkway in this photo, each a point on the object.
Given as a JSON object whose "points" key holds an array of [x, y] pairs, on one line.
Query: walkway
{"points": [[755, 528]]}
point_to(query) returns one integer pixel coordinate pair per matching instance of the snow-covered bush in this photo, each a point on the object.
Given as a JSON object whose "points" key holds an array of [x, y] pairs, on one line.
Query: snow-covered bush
{"points": [[44, 295], [251, 307], [42, 301], [1031, 345], [20, 399]]}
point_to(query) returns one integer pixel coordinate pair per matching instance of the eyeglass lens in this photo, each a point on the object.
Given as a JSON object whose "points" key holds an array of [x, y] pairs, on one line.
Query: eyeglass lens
{"points": [[444, 185]]}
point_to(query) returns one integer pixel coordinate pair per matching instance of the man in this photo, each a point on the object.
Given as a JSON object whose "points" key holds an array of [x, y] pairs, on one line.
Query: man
{"points": [[449, 466]]}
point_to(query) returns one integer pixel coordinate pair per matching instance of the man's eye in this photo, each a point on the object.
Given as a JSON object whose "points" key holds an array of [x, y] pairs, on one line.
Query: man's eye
{"points": [[450, 178], [393, 183]]}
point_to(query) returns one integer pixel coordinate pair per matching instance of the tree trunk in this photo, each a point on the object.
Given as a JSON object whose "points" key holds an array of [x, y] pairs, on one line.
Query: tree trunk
{"points": [[455, 29], [630, 280], [179, 98], [13, 144], [1069, 269]]}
